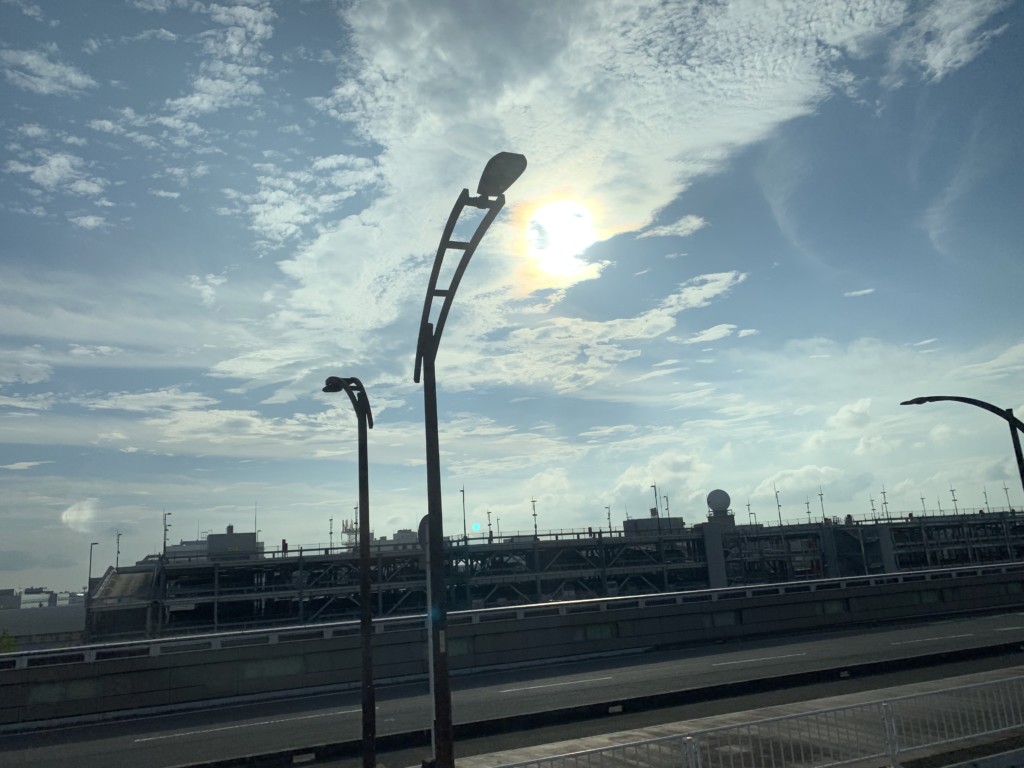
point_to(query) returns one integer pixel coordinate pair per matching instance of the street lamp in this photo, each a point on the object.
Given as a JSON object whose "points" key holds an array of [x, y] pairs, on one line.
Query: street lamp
{"points": [[1016, 425], [88, 588], [499, 174], [361, 404]]}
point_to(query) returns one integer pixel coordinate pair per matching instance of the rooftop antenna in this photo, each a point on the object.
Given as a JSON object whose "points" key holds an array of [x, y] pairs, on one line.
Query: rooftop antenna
{"points": [[1007, 492], [952, 492], [808, 509], [885, 504], [923, 508], [984, 492], [872, 500], [821, 498], [777, 504]]}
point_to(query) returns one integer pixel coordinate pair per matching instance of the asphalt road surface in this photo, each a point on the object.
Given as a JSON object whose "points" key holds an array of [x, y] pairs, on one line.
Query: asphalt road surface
{"points": [[228, 731]]}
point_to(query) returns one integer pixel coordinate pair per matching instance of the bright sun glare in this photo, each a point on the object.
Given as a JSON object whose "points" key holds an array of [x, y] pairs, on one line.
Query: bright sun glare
{"points": [[557, 234]]}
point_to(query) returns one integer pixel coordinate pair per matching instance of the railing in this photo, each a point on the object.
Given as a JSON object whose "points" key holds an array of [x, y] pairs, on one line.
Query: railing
{"points": [[88, 654], [878, 732]]}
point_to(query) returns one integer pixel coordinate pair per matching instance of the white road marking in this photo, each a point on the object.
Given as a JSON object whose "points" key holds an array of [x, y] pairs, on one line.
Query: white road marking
{"points": [[552, 685], [762, 658], [247, 725], [931, 639], [1007, 629]]}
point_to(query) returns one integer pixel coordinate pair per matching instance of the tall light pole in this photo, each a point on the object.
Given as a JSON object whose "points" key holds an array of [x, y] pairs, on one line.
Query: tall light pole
{"points": [[1016, 425], [465, 533], [167, 527], [361, 404], [88, 586], [499, 174], [330, 534], [609, 511], [778, 504], [117, 556], [534, 503]]}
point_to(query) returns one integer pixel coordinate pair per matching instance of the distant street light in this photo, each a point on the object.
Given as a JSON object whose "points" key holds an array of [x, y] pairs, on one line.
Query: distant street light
{"points": [[499, 174], [88, 589], [1016, 425], [117, 556], [361, 404], [167, 527]]}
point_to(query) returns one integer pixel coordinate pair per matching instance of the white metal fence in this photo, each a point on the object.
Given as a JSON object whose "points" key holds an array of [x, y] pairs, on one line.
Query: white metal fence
{"points": [[876, 733]]}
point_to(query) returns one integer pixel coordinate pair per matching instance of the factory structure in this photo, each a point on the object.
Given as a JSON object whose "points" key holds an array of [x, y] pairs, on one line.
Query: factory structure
{"points": [[231, 581]]}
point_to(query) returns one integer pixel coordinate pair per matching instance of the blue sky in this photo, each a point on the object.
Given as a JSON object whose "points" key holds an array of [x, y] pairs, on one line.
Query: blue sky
{"points": [[747, 231]]}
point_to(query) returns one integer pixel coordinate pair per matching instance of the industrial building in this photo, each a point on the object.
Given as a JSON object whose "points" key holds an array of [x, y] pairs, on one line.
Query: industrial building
{"points": [[234, 583]]}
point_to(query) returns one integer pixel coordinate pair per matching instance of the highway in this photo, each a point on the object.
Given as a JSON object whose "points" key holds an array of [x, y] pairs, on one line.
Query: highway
{"points": [[230, 731]]}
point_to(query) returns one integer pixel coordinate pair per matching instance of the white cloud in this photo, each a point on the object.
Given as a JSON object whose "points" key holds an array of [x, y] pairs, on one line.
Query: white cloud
{"points": [[172, 399], [22, 465], [714, 333], [88, 222], [944, 36], [862, 292], [40, 72], [684, 227], [60, 171]]}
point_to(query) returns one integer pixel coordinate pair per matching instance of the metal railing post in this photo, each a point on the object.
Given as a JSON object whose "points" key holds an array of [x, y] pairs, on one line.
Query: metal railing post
{"points": [[892, 747]]}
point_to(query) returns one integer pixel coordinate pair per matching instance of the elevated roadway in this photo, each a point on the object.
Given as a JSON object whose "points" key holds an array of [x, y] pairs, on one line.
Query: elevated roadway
{"points": [[504, 698]]}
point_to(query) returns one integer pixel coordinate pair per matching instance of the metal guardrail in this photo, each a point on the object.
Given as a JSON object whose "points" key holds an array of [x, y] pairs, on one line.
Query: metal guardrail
{"points": [[88, 654], [879, 732]]}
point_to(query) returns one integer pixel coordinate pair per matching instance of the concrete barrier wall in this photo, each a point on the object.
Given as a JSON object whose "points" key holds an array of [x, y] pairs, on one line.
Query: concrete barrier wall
{"points": [[132, 676]]}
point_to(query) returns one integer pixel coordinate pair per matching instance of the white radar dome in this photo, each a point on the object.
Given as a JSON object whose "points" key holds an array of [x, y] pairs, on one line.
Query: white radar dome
{"points": [[718, 501]]}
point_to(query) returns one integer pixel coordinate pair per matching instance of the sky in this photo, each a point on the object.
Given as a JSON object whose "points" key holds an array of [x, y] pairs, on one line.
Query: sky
{"points": [[747, 231]]}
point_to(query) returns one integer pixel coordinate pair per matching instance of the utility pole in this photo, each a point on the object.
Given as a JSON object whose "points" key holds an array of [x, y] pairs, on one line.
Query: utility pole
{"points": [[666, 506], [984, 491], [117, 555], [609, 511], [952, 492], [534, 503], [330, 535], [657, 504], [490, 534], [923, 508], [778, 504], [808, 510], [821, 498]]}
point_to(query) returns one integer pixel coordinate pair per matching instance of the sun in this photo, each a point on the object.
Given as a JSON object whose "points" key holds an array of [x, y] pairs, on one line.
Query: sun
{"points": [[559, 232]]}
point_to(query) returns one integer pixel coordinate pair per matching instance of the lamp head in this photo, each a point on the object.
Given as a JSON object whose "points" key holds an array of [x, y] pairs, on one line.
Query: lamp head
{"points": [[500, 173], [916, 401], [334, 384]]}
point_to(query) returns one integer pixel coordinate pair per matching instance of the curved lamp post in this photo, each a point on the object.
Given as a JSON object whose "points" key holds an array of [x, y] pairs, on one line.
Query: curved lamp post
{"points": [[1016, 425], [499, 174], [361, 404]]}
